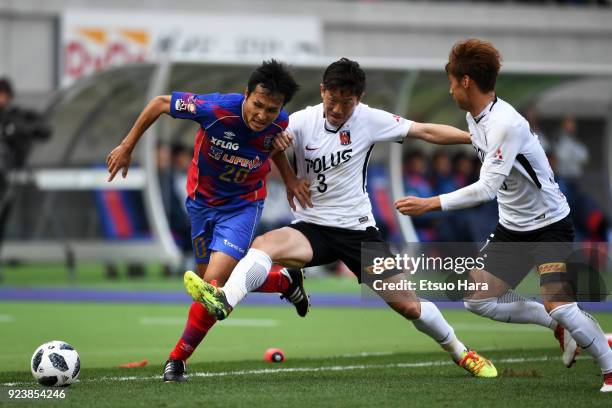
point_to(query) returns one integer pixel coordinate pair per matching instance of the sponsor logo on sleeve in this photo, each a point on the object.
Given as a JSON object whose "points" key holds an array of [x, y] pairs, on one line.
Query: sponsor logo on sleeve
{"points": [[498, 158], [182, 105]]}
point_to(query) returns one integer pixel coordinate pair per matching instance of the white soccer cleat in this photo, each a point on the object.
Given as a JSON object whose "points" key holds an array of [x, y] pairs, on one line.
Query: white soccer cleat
{"points": [[607, 385], [568, 346]]}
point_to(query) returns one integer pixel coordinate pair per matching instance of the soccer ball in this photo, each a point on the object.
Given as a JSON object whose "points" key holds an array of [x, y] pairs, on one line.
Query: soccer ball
{"points": [[56, 364]]}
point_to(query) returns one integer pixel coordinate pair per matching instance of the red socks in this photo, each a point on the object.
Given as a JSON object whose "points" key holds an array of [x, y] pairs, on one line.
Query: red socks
{"points": [[199, 321], [198, 324], [276, 282]]}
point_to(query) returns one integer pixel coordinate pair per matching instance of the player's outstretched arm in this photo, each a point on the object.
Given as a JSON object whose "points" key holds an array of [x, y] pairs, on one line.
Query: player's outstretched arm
{"points": [[438, 134], [417, 205], [477, 193], [121, 156]]}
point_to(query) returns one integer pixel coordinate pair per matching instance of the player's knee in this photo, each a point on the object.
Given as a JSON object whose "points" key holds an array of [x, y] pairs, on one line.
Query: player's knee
{"points": [[261, 243], [265, 244], [410, 310], [482, 307]]}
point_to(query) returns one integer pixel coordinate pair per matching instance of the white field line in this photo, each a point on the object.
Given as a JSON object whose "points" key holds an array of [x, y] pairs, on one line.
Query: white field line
{"points": [[235, 322], [368, 354], [6, 318], [180, 321], [266, 371]]}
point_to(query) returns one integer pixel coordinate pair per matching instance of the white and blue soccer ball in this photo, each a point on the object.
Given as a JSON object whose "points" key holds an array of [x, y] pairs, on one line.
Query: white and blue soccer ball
{"points": [[56, 364]]}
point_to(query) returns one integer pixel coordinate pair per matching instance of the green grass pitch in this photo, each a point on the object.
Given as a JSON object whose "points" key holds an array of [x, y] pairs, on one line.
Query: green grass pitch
{"points": [[335, 357]]}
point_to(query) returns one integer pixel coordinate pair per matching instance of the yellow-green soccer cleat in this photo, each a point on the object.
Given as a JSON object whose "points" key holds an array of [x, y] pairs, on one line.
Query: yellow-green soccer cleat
{"points": [[477, 365], [212, 298]]}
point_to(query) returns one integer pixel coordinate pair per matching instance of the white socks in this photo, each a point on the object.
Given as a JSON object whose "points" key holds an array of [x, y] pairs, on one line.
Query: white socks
{"points": [[587, 333], [250, 273], [511, 308], [432, 323]]}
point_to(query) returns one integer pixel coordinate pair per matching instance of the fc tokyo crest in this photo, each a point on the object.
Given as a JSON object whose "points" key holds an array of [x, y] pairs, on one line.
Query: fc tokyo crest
{"points": [[345, 137]]}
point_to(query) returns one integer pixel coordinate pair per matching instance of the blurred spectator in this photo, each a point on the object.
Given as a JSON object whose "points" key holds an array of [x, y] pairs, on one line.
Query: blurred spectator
{"points": [[442, 179], [463, 169], [446, 224], [276, 212], [590, 222], [19, 129], [172, 164], [181, 158], [383, 209], [533, 118], [178, 217], [570, 152], [417, 184], [415, 172]]}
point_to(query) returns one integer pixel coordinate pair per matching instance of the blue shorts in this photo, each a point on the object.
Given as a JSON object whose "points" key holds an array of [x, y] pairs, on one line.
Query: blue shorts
{"points": [[218, 229]]}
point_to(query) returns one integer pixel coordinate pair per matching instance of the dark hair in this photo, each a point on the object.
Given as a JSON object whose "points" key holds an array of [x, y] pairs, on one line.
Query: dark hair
{"points": [[477, 59], [178, 148], [413, 154], [275, 77], [6, 86], [345, 75]]}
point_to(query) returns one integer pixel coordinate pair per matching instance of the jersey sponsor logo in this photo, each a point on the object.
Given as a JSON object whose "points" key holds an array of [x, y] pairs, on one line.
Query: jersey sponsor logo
{"points": [[328, 162], [345, 137], [219, 154], [311, 148], [243, 162], [397, 118], [189, 105], [224, 144]]}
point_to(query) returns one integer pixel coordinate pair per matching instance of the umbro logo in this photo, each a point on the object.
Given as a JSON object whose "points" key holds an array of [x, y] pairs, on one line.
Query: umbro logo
{"points": [[229, 135], [311, 148]]}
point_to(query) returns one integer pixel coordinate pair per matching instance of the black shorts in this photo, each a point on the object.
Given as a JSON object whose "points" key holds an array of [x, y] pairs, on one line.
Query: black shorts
{"points": [[331, 244], [510, 255]]}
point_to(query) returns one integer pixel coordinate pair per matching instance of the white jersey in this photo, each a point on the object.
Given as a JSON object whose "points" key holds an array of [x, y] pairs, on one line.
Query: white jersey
{"points": [[529, 198], [335, 162]]}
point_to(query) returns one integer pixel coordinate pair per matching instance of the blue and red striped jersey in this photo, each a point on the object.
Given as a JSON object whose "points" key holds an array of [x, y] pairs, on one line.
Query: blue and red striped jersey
{"points": [[230, 161]]}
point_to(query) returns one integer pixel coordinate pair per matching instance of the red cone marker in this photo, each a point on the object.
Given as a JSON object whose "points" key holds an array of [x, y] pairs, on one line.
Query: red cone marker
{"points": [[274, 355]]}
